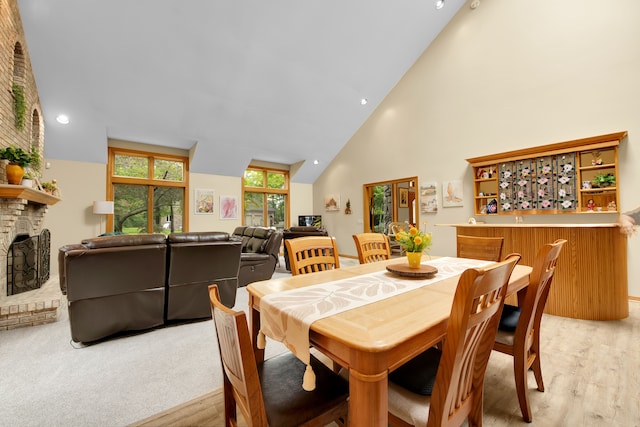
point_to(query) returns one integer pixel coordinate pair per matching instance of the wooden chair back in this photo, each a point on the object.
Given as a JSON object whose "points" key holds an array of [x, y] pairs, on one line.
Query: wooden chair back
{"points": [[486, 248], [473, 322], [372, 247], [524, 343], [269, 392], [312, 253], [241, 382]]}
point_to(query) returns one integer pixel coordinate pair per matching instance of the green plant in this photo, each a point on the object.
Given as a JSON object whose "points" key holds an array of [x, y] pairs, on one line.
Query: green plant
{"points": [[50, 185], [603, 180], [19, 105], [18, 156]]}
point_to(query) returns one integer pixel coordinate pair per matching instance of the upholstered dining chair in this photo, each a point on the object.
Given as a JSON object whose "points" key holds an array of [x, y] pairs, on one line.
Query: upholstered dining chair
{"points": [[519, 330], [312, 253], [270, 393], [444, 387], [486, 248], [394, 228], [372, 247]]}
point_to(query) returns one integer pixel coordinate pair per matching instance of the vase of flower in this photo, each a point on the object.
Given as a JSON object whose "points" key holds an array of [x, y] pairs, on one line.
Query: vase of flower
{"points": [[414, 242], [414, 259]]}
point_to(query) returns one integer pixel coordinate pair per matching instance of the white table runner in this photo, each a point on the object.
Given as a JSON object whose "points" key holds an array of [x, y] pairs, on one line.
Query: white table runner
{"points": [[286, 316]]}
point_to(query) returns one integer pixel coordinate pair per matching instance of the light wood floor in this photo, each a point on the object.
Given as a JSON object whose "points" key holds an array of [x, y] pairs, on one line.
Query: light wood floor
{"points": [[591, 371]]}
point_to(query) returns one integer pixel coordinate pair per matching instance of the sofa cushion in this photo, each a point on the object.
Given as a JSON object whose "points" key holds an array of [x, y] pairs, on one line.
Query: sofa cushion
{"points": [[124, 240], [198, 237]]}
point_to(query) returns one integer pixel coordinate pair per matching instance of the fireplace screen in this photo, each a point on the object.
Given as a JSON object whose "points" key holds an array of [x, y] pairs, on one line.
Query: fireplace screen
{"points": [[28, 262]]}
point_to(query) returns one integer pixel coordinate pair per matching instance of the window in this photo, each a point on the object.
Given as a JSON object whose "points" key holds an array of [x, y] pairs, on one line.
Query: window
{"points": [[265, 195], [149, 191]]}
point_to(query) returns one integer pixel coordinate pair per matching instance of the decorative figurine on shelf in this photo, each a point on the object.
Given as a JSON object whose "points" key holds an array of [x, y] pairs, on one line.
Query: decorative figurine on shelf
{"points": [[591, 204], [612, 206], [597, 160]]}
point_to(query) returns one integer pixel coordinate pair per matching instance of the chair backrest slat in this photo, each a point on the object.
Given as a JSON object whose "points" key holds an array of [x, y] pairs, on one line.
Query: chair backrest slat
{"points": [[312, 254], [372, 247], [486, 248]]}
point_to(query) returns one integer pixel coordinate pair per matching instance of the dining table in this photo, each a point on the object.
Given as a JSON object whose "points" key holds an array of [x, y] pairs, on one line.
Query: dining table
{"points": [[373, 339]]}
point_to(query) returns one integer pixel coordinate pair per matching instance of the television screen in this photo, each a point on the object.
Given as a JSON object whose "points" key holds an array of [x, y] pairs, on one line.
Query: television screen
{"points": [[310, 220]]}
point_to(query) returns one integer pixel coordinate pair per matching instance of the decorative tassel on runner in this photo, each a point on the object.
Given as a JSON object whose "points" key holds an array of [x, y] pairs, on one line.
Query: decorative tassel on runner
{"points": [[309, 381], [262, 343]]}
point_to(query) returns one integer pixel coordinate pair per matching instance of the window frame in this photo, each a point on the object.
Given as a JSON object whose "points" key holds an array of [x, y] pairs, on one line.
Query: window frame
{"points": [[266, 191], [148, 182]]}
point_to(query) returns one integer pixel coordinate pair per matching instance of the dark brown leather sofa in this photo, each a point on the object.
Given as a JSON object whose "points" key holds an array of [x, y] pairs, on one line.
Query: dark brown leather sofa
{"points": [[135, 282], [293, 232], [260, 253], [197, 260], [114, 284]]}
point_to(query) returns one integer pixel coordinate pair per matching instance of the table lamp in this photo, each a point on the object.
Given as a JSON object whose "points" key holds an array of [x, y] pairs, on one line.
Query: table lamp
{"points": [[102, 208]]}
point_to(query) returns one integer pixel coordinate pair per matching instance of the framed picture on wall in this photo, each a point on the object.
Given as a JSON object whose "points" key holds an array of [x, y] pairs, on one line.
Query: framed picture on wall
{"points": [[452, 193], [228, 207], [403, 197], [203, 201], [428, 197]]}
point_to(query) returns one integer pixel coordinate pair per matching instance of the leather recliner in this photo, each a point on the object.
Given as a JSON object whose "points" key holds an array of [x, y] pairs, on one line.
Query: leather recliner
{"points": [[114, 284], [197, 260], [302, 231], [260, 253]]}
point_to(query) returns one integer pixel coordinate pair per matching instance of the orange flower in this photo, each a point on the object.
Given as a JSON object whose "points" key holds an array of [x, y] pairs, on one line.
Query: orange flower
{"points": [[413, 231], [417, 240]]}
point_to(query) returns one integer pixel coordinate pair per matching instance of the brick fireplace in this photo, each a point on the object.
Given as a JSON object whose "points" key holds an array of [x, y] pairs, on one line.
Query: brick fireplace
{"points": [[22, 212]]}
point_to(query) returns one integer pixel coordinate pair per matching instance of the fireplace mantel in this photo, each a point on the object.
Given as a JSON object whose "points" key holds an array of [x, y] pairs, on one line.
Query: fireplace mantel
{"points": [[9, 191]]}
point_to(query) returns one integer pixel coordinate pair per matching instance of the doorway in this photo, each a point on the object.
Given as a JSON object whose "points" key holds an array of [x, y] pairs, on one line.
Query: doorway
{"points": [[390, 201]]}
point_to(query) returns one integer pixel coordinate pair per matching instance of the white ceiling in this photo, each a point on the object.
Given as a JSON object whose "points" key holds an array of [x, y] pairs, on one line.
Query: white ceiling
{"points": [[272, 80]]}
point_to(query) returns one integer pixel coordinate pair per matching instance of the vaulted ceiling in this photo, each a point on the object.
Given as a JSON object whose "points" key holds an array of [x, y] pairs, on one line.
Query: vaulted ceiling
{"points": [[278, 80]]}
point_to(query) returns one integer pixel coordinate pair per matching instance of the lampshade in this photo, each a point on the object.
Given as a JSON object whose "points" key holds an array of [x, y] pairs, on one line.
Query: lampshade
{"points": [[103, 208]]}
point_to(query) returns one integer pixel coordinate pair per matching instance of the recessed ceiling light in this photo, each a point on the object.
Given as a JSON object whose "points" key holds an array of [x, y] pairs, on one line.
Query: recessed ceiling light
{"points": [[315, 162], [439, 4], [63, 119], [363, 101]]}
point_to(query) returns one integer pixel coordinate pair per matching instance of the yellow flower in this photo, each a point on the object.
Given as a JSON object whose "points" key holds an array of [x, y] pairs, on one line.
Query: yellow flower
{"points": [[414, 240]]}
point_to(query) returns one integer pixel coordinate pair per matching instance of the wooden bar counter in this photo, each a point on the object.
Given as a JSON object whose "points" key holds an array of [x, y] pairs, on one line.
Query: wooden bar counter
{"points": [[591, 278]]}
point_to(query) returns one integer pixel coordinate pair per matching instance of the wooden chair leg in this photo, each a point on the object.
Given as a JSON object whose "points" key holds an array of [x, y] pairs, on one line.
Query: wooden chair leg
{"points": [[475, 416], [520, 372], [537, 372]]}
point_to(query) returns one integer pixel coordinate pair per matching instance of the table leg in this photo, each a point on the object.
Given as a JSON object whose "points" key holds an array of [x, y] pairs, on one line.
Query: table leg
{"points": [[254, 328], [368, 400]]}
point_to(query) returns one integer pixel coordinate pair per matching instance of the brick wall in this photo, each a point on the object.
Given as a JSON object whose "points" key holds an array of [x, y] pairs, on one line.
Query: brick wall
{"points": [[15, 65]]}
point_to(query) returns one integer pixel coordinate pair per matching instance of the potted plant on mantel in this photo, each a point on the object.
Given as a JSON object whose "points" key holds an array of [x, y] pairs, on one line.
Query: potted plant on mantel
{"points": [[18, 160]]}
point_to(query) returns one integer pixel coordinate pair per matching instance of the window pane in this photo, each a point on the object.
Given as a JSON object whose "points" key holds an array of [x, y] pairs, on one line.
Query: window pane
{"points": [[169, 170], [131, 166], [254, 209], [168, 204], [130, 208], [275, 180], [276, 203], [253, 178]]}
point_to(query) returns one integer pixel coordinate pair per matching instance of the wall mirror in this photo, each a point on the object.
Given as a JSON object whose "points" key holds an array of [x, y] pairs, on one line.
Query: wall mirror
{"points": [[390, 201]]}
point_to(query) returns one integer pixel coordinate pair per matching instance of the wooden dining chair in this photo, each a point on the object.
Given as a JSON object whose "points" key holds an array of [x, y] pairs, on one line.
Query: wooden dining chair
{"points": [[270, 393], [444, 387], [486, 248], [312, 253], [519, 330], [372, 247]]}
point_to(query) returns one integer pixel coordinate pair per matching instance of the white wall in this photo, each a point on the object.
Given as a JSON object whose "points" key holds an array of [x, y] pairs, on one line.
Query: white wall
{"points": [[72, 219], [510, 74]]}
